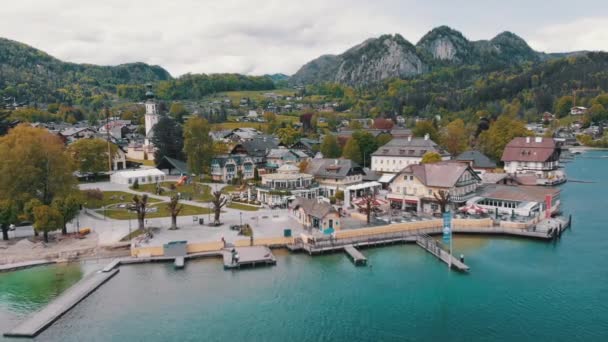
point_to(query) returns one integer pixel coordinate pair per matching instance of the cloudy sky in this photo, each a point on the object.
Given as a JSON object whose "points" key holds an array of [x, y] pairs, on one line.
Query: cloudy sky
{"points": [[268, 36]]}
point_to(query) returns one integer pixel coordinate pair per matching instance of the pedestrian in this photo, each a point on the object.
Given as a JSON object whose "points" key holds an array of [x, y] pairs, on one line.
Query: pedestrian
{"points": [[224, 242]]}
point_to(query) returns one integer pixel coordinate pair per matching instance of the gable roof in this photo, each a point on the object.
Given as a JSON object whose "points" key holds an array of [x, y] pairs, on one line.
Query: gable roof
{"points": [[478, 159], [171, 163], [260, 145], [414, 147], [531, 149], [439, 175], [313, 207], [333, 168]]}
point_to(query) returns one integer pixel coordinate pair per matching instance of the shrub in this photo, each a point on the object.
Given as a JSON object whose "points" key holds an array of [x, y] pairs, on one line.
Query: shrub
{"points": [[136, 184]]}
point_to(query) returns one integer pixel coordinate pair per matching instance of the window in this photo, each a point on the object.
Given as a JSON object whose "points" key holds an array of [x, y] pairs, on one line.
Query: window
{"points": [[411, 178], [430, 192]]}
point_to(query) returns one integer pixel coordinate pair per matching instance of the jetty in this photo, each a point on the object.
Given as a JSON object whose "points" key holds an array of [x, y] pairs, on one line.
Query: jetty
{"points": [[357, 257], [40, 320], [25, 264], [179, 262], [434, 247], [248, 256]]}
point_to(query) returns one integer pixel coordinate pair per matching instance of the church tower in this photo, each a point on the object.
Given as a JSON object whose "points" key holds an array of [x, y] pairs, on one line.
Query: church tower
{"points": [[151, 118]]}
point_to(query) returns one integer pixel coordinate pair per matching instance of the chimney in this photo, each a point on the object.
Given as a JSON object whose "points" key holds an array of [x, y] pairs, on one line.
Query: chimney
{"points": [[409, 138], [426, 136], [538, 139], [527, 140]]}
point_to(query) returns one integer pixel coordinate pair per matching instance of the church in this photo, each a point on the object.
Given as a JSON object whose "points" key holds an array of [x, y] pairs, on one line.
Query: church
{"points": [[145, 151]]}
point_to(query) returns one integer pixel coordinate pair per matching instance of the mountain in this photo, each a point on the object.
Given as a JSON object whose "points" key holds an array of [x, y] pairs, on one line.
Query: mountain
{"points": [[277, 77], [32, 75], [391, 56]]}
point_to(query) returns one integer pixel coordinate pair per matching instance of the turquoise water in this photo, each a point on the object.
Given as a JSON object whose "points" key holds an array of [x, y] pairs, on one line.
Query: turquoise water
{"points": [[517, 290]]}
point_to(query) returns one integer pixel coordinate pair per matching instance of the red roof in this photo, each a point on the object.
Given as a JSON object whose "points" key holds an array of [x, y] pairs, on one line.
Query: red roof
{"points": [[531, 149]]}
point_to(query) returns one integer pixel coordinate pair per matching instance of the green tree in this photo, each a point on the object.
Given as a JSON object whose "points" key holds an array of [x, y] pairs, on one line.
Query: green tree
{"points": [[492, 142], [178, 111], [330, 147], [367, 144], [68, 208], [91, 155], [563, 106], [383, 139], [352, 151], [198, 145], [8, 215], [34, 164], [597, 113], [288, 135], [455, 138], [430, 157], [46, 219], [424, 127], [168, 139]]}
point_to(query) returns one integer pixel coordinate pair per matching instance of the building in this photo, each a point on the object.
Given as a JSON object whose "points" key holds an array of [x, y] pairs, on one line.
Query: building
{"points": [[399, 153], [308, 146], [527, 201], [225, 168], [276, 189], [335, 174], [578, 110], [142, 176], [534, 157], [478, 161], [257, 148], [145, 151], [281, 156], [417, 187], [315, 214]]}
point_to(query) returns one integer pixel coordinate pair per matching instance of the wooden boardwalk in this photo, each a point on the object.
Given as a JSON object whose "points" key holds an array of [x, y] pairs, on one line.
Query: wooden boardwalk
{"points": [[433, 247], [357, 257], [40, 320], [249, 256]]}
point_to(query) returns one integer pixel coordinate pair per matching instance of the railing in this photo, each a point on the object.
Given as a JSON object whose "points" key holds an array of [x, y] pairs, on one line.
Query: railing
{"points": [[319, 244]]}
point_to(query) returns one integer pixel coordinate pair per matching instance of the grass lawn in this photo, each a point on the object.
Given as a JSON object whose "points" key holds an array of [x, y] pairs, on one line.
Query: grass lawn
{"points": [[186, 190], [230, 188], [123, 214], [240, 206], [109, 198]]}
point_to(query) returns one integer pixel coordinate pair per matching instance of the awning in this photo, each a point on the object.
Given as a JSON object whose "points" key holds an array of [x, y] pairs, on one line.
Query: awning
{"points": [[387, 177]]}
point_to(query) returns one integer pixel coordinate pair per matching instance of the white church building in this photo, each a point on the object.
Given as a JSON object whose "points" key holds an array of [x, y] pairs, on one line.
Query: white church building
{"points": [[145, 151]]}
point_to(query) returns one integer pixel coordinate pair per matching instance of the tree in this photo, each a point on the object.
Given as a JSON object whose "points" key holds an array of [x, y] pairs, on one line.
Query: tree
{"points": [[352, 151], [256, 175], [34, 164], [492, 142], [174, 209], [443, 199], [454, 137], [46, 219], [430, 157], [424, 127], [303, 165], [218, 201], [68, 208], [563, 106], [8, 216], [178, 111], [383, 139], [288, 135], [198, 145], [369, 204], [385, 124], [91, 155], [330, 147], [28, 211], [138, 206], [168, 139], [367, 144]]}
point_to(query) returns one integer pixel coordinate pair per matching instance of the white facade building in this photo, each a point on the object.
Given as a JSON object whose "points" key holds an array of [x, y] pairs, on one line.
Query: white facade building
{"points": [[143, 176], [399, 153]]}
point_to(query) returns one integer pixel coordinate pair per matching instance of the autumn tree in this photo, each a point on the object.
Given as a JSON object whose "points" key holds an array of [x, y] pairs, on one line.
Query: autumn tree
{"points": [[168, 139], [492, 142], [352, 151], [91, 155], [424, 127], [303, 165], [369, 204], [288, 135], [219, 200], [430, 158], [67, 208], [174, 209], [198, 145], [330, 147], [8, 215], [383, 139], [455, 138], [34, 164], [385, 124], [177, 111], [563, 106], [46, 219]]}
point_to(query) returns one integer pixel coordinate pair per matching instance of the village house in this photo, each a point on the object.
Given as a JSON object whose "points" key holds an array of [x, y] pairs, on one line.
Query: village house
{"points": [[526, 201], [335, 174], [308, 146], [277, 157], [72, 134], [257, 148], [225, 168], [418, 186], [399, 153], [288, 183], [578, 110], [479, 162], [315, 214], [535, 159]]}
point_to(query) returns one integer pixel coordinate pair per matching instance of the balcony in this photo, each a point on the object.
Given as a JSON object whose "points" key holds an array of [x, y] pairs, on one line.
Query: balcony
{"points": [[462, 198]]}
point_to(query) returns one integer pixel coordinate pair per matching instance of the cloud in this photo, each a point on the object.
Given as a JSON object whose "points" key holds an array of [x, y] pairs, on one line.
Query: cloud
{"points": [[266, 36]]}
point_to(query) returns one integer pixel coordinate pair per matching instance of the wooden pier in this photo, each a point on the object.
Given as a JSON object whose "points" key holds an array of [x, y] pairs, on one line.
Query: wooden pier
{"points": [[179, 262], [433, 247], [248, 256], [40, 320], [357, 257]]}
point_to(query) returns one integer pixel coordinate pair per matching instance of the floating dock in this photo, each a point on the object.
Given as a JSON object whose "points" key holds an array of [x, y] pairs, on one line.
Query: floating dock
{"points": [[179, 262], [248, 256], [40, 320], [357, 257]]}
